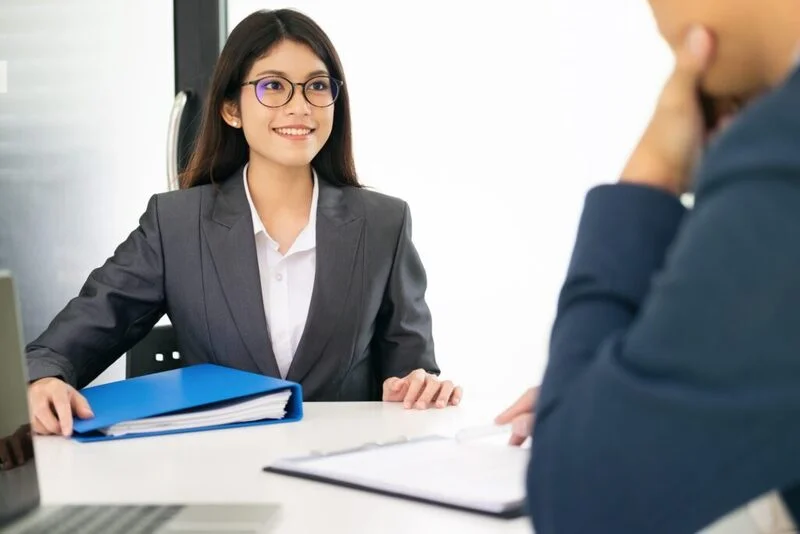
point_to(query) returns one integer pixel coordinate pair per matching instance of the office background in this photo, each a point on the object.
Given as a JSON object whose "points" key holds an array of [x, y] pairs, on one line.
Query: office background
{"points": [[491, 120]]}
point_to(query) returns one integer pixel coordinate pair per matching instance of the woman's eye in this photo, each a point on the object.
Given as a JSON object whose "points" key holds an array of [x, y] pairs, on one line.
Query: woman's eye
{"points": [[272, 85]]}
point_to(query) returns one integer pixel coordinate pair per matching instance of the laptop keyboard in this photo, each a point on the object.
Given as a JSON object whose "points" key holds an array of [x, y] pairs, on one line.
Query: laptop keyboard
{"points": [[104, 520]]}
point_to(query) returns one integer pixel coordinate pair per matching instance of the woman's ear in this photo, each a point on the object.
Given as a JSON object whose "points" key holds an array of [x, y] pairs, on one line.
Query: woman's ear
{"points": [[230, 114]]}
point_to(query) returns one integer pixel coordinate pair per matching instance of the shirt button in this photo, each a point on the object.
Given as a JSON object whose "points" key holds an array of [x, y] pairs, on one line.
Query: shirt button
{"points": [[279, 277]]}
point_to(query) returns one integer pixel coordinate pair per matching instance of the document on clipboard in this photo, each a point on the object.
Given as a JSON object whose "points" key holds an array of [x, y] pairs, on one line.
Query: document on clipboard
{"points": [[479, 477]]}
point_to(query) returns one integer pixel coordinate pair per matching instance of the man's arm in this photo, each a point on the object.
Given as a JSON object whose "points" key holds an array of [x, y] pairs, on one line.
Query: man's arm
{"points": [[624, 233], [662, 415]]}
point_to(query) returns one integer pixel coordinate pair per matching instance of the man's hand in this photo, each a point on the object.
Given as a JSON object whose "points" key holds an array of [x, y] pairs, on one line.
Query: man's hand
{"points": [[420, 389], [520, 415], [674, 138]]}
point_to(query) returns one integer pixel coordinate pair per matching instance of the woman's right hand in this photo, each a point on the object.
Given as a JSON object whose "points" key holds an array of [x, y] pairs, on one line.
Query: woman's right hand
{"points": [[52, 404]]}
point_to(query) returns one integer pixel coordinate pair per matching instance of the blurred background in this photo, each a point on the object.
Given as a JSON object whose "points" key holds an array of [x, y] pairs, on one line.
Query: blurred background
{"points": [[491, 120]]}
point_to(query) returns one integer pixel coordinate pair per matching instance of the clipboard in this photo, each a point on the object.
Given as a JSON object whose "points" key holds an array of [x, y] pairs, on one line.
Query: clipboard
{"points": [[481, 478]]}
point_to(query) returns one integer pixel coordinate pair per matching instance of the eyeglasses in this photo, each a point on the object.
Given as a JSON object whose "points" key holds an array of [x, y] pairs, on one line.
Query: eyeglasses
{"points": [[275, 91]]}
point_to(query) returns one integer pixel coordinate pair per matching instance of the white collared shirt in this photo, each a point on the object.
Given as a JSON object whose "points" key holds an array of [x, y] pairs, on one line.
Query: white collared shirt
{"points": [[287, 281]]}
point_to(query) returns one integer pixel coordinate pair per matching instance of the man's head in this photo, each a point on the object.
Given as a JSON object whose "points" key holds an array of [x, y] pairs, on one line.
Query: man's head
{"points": [[755, 40]]}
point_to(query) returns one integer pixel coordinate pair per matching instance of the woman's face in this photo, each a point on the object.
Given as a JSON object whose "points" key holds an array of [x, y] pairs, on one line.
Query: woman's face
{"points": [[737, 70], [282, 125]]}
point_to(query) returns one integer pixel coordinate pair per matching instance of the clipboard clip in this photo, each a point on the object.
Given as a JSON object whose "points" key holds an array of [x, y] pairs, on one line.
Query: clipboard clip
{"points": [[360, 448]]}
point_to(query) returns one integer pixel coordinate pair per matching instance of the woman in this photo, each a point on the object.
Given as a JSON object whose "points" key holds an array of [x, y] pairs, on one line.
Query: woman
{"points": [[271, 259]]}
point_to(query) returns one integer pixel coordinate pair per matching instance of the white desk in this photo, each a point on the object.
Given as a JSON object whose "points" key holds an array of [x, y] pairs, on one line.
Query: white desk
{"points": [[225, 467]]}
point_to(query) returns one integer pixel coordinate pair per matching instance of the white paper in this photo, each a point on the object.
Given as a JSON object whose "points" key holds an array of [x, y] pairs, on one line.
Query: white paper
{"points": [[475, 475], [270, 406]]}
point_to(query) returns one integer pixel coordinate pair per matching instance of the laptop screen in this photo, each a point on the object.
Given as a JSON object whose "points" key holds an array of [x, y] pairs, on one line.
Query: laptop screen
{"points": [[19, 486]]}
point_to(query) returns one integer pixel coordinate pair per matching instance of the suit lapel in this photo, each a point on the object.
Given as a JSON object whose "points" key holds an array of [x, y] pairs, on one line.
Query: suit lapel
{"points": [[230, 237], [339, 232]]}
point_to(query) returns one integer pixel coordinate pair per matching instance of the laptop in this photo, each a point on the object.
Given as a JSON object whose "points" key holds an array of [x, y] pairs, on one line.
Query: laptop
{"points": [[20, 507]]}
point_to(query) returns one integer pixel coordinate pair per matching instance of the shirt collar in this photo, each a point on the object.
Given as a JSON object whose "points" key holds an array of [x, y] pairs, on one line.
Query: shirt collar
{"points": [[307, 238]]}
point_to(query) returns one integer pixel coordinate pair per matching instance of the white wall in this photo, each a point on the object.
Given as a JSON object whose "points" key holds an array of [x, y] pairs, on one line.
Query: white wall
{"points": [[492, 122]]}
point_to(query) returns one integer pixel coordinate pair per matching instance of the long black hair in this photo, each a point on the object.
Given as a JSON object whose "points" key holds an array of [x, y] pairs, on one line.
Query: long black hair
{"points": [[220, 150]]}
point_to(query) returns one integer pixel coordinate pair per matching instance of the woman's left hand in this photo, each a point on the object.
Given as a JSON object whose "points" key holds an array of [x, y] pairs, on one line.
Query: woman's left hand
{"points": [[421, 390]]}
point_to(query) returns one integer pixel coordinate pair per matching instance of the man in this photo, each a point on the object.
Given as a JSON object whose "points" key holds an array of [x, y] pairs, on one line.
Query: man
{"points": [[672, 393]]}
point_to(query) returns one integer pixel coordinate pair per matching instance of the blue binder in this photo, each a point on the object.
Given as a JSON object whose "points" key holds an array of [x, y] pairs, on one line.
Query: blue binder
{"points": [[196, 386]]}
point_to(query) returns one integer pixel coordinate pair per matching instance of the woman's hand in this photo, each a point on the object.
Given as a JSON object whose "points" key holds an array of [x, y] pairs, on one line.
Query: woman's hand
{"points": [[52, 403], [674, 138], [421, 390], [520, 415]]}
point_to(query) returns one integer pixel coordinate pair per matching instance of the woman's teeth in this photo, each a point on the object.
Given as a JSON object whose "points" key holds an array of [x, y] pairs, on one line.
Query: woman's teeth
{"points": [[293, 131]]}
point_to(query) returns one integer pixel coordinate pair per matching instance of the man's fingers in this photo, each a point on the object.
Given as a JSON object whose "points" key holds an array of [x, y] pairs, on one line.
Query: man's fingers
{"points": [[680, 94], [516, 441], [521, 428], [694, 56], [521, 405], [522, 425]]}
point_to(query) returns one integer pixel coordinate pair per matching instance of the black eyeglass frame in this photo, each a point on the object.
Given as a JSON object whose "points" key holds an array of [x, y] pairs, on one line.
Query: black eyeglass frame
{"points": [[292, 85]]}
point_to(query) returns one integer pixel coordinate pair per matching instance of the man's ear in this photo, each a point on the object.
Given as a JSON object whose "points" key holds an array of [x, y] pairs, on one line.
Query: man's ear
{"points": [[230, 114]]}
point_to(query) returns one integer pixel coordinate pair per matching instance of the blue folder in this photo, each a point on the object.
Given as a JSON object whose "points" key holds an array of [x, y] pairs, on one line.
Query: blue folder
{"points": [[169, 392]]}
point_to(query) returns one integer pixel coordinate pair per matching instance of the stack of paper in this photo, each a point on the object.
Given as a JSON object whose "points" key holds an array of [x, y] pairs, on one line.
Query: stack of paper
{"points": [[269, 406]]}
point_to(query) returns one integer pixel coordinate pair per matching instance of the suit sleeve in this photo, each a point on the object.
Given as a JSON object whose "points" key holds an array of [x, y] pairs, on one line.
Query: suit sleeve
{"points": [[672, 392], [403, 335], [623, 237], [116, 307]]}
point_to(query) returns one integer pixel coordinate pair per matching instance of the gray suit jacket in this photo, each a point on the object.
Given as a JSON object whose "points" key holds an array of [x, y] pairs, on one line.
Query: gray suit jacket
{"points": [[193, 257]]}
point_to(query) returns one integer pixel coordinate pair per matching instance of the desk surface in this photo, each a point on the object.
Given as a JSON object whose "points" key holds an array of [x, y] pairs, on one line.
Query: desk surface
{"points": [[224, 466]]}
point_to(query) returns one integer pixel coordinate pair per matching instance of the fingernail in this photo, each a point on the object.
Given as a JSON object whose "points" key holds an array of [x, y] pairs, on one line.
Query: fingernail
{"points": [[406, 405], [420, 405], [440, 404]]}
